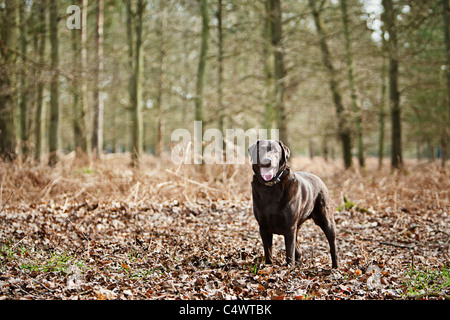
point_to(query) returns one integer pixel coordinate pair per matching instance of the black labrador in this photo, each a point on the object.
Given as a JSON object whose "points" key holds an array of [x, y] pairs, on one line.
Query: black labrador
{"points": [[283, 200]]}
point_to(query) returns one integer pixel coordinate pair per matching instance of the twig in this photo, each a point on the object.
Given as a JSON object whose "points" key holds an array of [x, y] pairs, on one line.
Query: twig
{"points": [[397, 245], [430, 294], [34, 280], [192, 181]]}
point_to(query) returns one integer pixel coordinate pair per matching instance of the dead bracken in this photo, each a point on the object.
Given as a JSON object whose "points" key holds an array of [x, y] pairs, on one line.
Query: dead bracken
{"points": [[101, 230]]}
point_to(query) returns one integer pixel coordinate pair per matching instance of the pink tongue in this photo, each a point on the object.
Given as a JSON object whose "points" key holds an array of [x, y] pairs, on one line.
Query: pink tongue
{"points": [[267, 173]]}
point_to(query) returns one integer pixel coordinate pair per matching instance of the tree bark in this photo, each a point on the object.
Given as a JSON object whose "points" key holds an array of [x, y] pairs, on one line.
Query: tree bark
{"points": [[446, 113], [394, 95], [202, 61], [351, 81], [54, 85], [97, 129], [7, 63], [134, 55], [268, 122], [381, 114], [42, 30], [344, 131], [159, 98], [81, 138], [279, 69], [23, 128], [220, 67]]}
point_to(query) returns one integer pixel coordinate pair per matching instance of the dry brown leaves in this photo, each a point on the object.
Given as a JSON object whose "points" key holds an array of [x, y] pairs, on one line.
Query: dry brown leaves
{"points": [[103, 231]]}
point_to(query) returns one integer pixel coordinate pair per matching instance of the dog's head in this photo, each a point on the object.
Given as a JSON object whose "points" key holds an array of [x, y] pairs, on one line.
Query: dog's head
{"points": [[268, 158]]}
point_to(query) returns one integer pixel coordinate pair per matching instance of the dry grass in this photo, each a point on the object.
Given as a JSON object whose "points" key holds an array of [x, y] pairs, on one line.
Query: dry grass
{"points": [[167, 231]]}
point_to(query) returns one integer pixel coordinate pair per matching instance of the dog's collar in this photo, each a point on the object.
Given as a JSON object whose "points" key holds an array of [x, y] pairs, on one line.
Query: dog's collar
{"points": [[275, 180]]}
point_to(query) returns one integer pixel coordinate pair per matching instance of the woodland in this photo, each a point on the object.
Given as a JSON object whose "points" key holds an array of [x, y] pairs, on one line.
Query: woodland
{"points": [[92, 205]]}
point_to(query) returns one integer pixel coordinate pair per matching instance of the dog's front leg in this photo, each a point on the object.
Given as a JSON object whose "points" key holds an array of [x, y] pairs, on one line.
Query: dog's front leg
{"points": [[290, 243], [267, 238]]}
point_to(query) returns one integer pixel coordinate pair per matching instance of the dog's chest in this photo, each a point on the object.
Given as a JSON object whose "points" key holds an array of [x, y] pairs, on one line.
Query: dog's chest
{"points": [[274, 210]]}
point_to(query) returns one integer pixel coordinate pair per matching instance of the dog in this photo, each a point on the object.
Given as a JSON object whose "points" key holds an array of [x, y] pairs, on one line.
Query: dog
{"points": [[283, 200]]}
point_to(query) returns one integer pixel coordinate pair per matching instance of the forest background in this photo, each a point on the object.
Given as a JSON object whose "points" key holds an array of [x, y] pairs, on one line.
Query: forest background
{"points": [[337, 78], [92, 207]]}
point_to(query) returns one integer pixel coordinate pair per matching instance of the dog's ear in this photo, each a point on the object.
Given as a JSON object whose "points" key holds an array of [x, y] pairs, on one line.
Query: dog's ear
{"points": [[253, 152], [286, 151]]}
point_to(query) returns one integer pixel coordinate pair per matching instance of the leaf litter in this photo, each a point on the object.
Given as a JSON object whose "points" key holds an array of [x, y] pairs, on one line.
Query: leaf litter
{"points": [[101, 230]]}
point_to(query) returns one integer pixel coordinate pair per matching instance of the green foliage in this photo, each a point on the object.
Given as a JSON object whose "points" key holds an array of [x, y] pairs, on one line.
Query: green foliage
{"points": [[348, 205], [427, 280], [38, 261]]}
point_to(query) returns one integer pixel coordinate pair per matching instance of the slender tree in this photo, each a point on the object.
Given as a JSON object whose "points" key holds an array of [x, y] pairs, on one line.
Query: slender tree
{"points": [[202, 61], [54, 84], [268, 122], [220, 104], [343, 126], [444, 133], [42, 39], [161, 69], [279, 68], [394, 94], [7, 65], [135, 17], [97, 128], [351, 81], [24, 92]]}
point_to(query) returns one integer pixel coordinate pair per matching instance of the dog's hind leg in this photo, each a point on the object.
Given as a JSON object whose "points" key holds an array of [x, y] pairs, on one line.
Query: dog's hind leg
{"points": [[322, 216]]}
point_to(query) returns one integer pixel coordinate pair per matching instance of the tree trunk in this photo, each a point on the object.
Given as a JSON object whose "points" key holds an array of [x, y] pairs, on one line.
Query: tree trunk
{"points": [[351, 81], [446, 113], [202, 61], [81, 138], [97, 129], [23, 81], [76, 92], [134, 55], [343, 125], [394, 95], [220, 67], [268, 122], [7, 45], [54, 85], [381, 114], [279, 70], [42, 30], [159, 98]]}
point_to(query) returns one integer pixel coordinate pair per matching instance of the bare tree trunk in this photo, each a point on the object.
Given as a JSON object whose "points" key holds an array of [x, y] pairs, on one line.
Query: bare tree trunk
{"points": [[76, 92], [40, 85], [268, 122], [446, 113], [220, 67], [343, 126], [23, 81], [279, 69], [54, 85], [159, 98], [351, 80], [134, 55], [7, 63], [381, 114], [394, 95], [202, 61], [80, 138], [97, 130]]}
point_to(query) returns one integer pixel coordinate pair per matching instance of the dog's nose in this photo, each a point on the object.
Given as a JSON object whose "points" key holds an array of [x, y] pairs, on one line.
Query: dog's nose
{"points": [[266, 160]]}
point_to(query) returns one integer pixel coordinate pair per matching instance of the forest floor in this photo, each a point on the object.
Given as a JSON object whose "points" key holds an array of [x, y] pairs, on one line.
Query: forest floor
{"points": [[101, 230]]}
